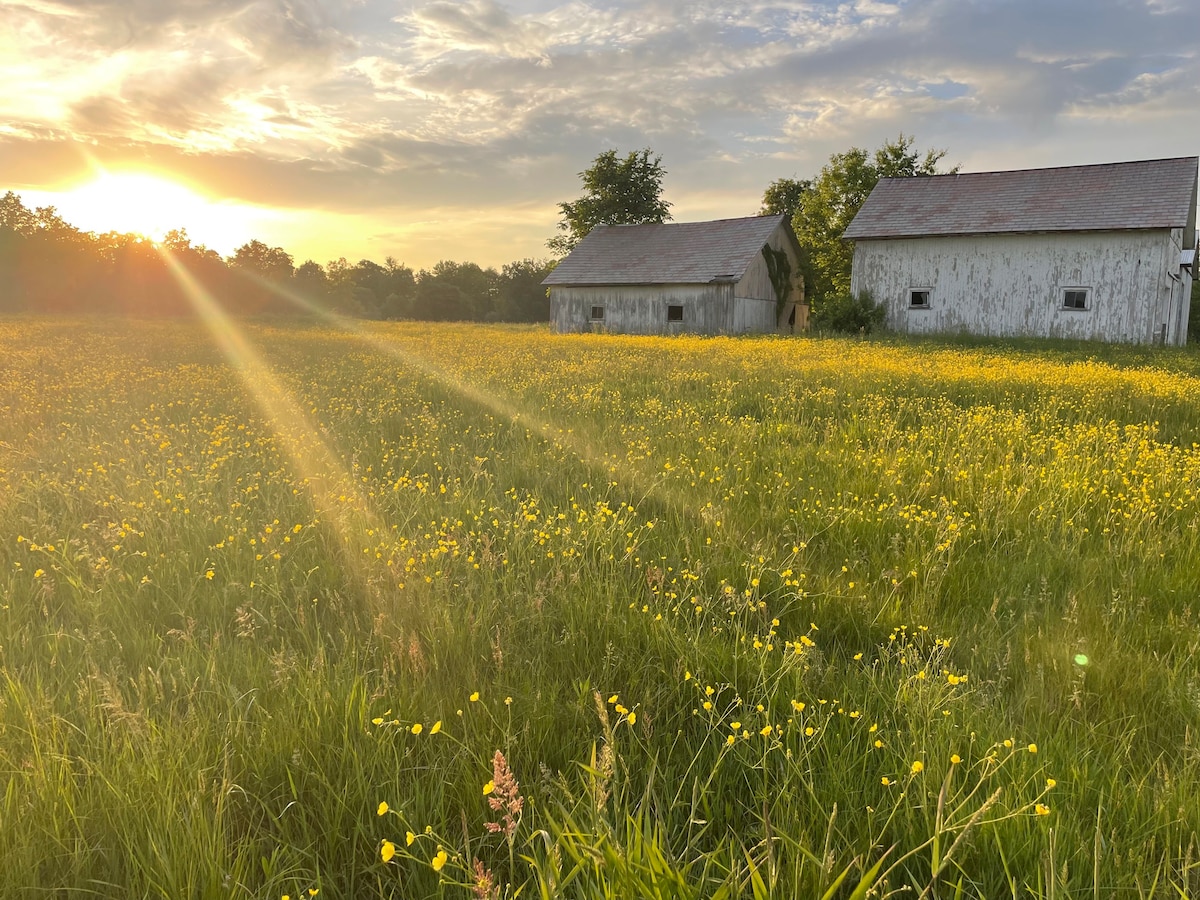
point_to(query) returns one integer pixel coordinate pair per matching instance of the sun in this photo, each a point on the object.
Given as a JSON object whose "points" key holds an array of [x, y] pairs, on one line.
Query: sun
{"points": [[151, 206]]}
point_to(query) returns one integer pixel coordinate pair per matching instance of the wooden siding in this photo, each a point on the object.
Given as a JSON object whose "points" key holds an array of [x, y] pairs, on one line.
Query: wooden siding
{"points": [[756, 282], [1009, 285], [642, 309]]}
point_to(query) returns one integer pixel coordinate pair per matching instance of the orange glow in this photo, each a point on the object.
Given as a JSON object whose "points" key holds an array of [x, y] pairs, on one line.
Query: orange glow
{"points": [[150, 205]]}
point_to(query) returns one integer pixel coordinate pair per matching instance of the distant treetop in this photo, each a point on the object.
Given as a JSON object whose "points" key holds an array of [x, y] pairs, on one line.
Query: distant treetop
{"points": [[616, 192]]}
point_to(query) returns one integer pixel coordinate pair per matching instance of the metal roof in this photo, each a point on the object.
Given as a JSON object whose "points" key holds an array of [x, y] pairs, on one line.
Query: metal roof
{"points": [[1157, 193], [671, 253]]}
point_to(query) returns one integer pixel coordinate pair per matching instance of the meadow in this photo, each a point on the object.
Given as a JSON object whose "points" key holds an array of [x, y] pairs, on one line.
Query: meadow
{"points": [[400, 610]]}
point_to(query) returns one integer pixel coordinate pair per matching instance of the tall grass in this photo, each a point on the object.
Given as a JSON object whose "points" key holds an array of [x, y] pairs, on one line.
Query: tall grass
{"points": [[743, 617]]}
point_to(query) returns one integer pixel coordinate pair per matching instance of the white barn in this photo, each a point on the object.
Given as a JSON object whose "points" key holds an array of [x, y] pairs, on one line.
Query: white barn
{"points": [[1102, 252], [730, 276]]}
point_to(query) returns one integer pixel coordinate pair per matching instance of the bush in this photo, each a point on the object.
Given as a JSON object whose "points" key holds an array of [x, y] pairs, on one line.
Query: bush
{"points": [[850, 314]]}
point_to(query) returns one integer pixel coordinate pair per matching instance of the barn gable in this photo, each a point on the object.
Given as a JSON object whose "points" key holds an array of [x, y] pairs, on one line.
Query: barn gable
{"points": [[1089, 252], [703, 277]]}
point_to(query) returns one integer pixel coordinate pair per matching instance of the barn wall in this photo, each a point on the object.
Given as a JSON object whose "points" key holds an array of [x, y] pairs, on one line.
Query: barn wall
{"points": [[1012, 284], [756, 282], [751, 316], [642, 309]]}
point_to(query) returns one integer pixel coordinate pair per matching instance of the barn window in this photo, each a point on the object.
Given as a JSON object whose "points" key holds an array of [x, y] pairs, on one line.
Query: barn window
{"points": [[597, 314], [1075, 298], [674, 313], [918, 298]]}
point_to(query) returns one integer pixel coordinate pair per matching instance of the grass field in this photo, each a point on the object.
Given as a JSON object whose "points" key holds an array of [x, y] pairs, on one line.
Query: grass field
{"points": [[743, 617]]}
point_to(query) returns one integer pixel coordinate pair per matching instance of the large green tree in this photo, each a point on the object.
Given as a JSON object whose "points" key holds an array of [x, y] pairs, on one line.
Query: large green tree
{"points": [[616, 191], [783, 196], [836, 196]]}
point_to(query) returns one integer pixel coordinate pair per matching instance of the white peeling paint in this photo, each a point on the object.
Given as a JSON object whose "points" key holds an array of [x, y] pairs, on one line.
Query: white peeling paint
{"points": [[1010, 285], [644, 309]]}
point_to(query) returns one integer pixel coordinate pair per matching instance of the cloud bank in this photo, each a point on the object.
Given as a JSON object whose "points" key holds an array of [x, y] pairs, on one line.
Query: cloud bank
{"points": [[426, 117]]}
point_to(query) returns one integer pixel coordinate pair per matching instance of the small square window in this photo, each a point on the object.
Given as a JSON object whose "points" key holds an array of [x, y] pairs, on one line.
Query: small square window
{"points": [[674, 313], [918, 298], [597, 314], [1075, 298]]}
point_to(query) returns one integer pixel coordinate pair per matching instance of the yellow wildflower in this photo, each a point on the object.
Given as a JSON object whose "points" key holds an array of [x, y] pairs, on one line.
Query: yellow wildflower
{"points": [[439, 860], [382, 808], [437, 726], [387, 851], [418, 728], [918, 767], [489, 787]]}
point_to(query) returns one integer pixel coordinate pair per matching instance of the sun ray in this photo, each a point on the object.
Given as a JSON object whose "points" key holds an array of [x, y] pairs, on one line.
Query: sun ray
{"points": [[330, 486], [587, 448]]}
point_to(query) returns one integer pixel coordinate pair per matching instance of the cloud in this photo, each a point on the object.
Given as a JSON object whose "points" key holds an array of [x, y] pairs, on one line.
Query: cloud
{"points": [[484, 105], [475, 26]]}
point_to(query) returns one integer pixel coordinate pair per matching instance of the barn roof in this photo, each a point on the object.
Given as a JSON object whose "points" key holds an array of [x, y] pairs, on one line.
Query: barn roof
{"points": [[671, 253], [1156, 193]]}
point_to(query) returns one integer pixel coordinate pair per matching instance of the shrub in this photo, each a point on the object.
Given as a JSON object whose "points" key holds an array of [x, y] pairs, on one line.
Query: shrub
{"points": [[848, 313]]}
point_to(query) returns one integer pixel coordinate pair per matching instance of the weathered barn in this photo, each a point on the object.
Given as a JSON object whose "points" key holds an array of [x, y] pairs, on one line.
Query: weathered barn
{"points": [[725, 277], [1103, 252]]}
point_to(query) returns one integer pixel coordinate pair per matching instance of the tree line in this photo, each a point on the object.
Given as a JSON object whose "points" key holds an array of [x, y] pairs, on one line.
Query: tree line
{"points": [[48, 265]]}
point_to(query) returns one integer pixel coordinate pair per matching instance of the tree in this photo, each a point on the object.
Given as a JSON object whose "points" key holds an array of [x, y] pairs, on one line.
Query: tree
{"points": [[440, 301], [835, 198], [15, 215], [256, 258], [262, 267], [475, 287], [782, 196], [520, 294], [401, 287], [616, 192], [311, 282]]}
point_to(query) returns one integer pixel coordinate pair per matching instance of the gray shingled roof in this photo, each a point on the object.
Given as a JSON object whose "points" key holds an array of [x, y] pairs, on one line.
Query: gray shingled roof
{"points": [[1154, 193], [671, 253]]}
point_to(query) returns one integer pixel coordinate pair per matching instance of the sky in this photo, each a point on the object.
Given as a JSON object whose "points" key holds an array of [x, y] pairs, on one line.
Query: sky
{"points": [[429, 129]]}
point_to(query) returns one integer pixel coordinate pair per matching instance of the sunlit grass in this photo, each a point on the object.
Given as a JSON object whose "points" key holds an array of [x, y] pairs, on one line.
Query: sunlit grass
{"points": [[756, 616]]}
